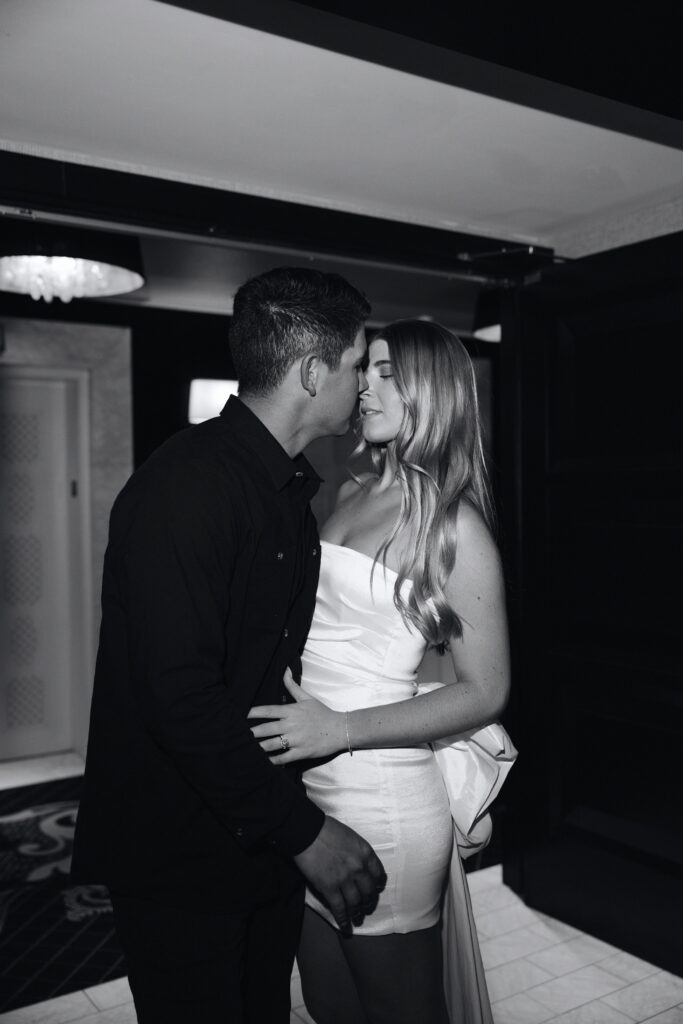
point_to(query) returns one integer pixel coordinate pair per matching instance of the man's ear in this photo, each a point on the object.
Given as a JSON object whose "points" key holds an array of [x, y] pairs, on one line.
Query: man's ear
{"points": [[310, 365]]}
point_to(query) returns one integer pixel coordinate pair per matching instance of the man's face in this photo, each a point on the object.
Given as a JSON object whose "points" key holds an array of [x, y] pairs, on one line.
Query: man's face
{"points": [[339, 388]]}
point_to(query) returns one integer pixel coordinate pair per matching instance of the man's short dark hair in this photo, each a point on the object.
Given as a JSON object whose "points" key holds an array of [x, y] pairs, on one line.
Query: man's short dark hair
{"points": [[280, 316]]}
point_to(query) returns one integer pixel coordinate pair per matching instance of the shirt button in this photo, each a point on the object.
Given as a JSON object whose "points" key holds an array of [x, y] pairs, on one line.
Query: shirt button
{"points": [[315, 552], [239, 832], [280, 555], [299, 474], [286, 633]]}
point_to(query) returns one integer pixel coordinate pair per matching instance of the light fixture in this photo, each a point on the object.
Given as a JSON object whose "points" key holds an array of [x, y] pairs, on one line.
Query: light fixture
{"points": [[46, 261], [207, 398], [491, 333]]}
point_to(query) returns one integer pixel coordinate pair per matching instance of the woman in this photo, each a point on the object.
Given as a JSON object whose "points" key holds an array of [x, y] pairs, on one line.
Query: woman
{"points": [[408, 561]]}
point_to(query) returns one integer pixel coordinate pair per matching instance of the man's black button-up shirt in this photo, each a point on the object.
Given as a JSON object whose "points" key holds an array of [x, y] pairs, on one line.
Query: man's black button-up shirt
{"points": [[208, 592]]}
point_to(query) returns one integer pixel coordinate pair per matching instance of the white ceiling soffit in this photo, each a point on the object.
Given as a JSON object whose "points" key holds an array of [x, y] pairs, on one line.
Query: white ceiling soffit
{"points": [[140, 86]]}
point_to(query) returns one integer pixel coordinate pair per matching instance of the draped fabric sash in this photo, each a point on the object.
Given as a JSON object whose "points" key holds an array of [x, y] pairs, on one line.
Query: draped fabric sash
{"points": [[474, 766]]}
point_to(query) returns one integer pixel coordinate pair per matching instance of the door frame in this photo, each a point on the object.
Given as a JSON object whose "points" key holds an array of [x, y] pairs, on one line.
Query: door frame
{"points": [[80, 582]]}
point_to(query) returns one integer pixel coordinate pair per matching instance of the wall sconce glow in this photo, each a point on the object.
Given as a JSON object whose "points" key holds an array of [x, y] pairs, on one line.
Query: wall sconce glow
{"points": [[48, 261], [492, 333], [207, 398], [64, 277]]}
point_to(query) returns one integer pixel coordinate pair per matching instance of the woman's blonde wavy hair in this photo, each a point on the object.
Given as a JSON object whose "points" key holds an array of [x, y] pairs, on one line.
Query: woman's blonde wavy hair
{"points": [[440, 461]]}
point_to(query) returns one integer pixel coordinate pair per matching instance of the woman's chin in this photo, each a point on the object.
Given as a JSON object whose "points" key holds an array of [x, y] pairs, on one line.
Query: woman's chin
{"points": [[377, 437]]}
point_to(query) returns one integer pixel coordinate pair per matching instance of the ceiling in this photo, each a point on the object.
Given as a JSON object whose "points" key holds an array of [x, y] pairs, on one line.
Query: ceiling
{"points": [[152, 89], [633, 59]]}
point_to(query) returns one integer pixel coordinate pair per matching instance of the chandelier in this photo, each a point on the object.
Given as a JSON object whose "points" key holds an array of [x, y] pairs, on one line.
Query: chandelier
{"points": [[47, 262]]}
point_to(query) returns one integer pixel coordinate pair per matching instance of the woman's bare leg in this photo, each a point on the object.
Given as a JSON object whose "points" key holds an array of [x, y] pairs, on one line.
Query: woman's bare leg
{"points": [[383, 979], [399, 978], [327, 983]]}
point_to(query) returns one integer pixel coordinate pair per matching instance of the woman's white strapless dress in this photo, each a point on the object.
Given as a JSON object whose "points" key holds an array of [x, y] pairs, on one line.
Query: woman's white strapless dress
{"points": [[359, 654]]}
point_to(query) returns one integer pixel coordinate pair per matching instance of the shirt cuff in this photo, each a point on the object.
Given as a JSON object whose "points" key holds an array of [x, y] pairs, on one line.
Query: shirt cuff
{"points": [[299, 829]]}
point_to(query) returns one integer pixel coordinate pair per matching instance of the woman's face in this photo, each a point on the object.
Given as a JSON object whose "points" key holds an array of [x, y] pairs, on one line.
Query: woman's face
{"points": [[381, 408]]}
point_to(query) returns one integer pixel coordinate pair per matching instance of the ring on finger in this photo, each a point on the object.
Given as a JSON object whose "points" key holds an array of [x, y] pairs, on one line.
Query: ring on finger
{"points": [[285, 743]]}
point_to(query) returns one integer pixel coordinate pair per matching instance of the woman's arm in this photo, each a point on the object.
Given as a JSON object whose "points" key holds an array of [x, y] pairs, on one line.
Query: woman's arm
{"points": [[480, 660]]}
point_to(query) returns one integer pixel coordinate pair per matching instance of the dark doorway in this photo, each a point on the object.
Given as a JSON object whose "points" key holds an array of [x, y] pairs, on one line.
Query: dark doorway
{"points": [[592, 376]]}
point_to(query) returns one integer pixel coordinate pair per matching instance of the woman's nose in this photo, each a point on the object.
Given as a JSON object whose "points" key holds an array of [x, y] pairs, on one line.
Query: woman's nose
{"points": [[362, 382]]}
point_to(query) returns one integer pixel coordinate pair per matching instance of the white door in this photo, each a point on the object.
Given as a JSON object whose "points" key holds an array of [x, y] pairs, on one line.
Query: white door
{"points": [[38, 603]]}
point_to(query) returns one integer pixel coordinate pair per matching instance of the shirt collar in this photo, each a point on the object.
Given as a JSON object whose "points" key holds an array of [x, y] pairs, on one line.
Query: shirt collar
{"points": [[279, 466]]}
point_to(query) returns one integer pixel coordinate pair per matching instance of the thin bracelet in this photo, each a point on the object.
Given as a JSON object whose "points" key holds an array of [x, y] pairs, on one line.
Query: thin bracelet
{"points": [[348, 740]]}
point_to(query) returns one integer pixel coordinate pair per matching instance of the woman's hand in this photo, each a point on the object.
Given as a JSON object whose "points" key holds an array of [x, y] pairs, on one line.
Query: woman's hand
{"points": [[300, 731]]}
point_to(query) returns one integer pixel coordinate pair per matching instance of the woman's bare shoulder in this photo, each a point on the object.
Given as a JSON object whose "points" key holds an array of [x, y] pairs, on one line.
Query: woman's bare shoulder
{"points": [[472, 535], [476, 582]]}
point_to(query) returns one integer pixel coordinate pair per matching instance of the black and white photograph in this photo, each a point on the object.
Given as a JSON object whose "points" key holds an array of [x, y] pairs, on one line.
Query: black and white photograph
{"points": [[341, 513]]}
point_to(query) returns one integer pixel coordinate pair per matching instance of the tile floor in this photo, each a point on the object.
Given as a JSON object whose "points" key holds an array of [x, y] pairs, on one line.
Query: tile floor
{"points": [[539, 970]]}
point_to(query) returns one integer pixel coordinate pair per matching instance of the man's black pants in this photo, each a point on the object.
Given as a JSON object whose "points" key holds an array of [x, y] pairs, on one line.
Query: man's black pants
{"points": [[187, 967]]}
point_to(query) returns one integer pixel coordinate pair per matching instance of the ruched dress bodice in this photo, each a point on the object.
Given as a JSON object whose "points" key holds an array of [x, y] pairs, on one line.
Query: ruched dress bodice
{"points": [[359, 651]]}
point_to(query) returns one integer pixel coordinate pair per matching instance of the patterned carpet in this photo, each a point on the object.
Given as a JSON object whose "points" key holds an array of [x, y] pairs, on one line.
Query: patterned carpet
{"points": [[55, 937]]}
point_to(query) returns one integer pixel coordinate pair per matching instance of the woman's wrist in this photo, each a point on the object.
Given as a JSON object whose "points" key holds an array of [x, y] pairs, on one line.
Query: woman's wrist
{"points": [[340, 741], [348, 734]]}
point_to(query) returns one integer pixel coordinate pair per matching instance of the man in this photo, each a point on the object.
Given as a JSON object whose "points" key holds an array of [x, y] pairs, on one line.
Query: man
{"points": [[208, 593]]}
